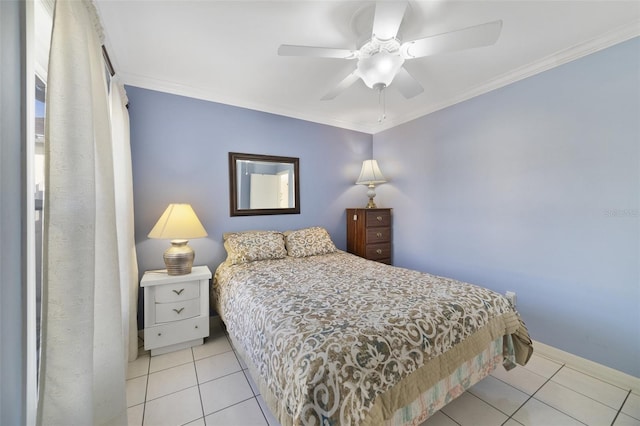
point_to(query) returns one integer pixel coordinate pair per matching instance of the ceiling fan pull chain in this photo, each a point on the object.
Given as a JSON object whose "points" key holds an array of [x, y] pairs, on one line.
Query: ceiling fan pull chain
{"points": [[382, 103]]}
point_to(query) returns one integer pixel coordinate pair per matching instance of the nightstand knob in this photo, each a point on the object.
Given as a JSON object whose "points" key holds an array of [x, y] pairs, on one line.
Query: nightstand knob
{"points": [[379, 251], [196, 326], [159, 334], [379, 218], [178, 292], [379, 235], [178, 311]]}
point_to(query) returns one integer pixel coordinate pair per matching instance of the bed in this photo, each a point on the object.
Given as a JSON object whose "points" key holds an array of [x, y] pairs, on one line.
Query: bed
{"points": [[334, 339]]}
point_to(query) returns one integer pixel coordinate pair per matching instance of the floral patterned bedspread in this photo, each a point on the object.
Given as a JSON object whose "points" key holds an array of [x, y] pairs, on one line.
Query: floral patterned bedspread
{"points": [[329, 334]]}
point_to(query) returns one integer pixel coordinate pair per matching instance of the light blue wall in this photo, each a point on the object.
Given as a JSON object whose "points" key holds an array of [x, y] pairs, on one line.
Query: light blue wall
{"points": [[15, 408], [533, 188], [180, 152]]}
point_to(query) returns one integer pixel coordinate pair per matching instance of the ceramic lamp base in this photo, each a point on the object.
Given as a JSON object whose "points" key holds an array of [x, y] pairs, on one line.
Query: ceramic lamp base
{"points": [[179, 258], [371, 193]]}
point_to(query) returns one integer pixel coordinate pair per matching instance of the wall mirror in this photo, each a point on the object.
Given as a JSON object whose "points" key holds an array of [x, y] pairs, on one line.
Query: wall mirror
{"points": [[263, 184]]}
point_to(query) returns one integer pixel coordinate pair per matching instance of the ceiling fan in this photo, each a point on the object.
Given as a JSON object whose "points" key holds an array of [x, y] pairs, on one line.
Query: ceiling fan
{"points": [[380, 59]]}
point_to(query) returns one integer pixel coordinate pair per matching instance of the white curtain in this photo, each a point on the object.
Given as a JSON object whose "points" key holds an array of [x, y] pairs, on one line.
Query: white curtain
{"points": [[123, 185], [83, 361]]}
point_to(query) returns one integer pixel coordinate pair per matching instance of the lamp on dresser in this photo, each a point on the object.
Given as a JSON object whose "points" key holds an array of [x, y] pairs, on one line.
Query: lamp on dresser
{"points": [[370, 175], [178, 223]]}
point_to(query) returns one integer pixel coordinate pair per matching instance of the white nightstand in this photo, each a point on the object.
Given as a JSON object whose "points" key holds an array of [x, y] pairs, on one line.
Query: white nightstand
{"points": [[176, 309]]}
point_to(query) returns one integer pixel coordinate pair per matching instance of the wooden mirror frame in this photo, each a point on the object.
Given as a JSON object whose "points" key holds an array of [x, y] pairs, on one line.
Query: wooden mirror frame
{"points": [[235, 209]]}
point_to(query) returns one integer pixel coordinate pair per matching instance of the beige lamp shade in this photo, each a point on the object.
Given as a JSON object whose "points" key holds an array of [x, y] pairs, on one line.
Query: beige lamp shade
{"points": [[178, 223], [370, 175]]}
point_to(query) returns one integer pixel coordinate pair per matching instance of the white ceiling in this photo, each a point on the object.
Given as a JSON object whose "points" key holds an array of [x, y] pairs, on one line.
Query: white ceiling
{"points": [[226, 51]]}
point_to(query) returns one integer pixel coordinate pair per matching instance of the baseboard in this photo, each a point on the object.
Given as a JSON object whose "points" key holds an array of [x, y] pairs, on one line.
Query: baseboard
{"points": [[609, 375]]}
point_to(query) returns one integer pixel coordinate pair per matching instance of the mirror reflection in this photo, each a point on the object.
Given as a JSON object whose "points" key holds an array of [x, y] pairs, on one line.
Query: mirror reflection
{"points": [[263, 184]]}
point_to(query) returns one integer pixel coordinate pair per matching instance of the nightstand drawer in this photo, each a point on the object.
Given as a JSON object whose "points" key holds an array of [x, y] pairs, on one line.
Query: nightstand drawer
{"points": [[378, 251], [177, 292], [378, 218], [378, 235], [175, 332], [167, 312]]}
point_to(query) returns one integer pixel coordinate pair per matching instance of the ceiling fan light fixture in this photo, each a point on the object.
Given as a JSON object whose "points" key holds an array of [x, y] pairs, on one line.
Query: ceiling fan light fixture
{"points": [[380, 59], [380, 68]]}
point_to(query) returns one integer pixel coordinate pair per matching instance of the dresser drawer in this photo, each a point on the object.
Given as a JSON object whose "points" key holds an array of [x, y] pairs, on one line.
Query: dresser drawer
{"points": [[176, 311], [176, 292], [378, 251], [378, 235], [370, 233], [378, 218]]}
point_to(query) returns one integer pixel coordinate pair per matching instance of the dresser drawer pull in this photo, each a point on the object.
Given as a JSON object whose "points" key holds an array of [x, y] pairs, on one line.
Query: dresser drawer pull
{"points": [[379, 218], [379, 251], [379, 234], [178, 311], [178, 292]]}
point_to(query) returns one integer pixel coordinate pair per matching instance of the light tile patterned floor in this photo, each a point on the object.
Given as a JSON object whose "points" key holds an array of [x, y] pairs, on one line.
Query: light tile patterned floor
{"points": [[210, 385]]}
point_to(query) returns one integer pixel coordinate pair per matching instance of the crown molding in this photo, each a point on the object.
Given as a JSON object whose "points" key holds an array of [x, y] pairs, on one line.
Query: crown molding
{"points": [[604, 41], [619, 35], [212, 96]]}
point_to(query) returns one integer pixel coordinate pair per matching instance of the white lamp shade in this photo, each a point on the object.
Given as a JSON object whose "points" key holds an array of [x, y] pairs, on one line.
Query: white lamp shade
{"points": [[370, 173], [178, 221]]}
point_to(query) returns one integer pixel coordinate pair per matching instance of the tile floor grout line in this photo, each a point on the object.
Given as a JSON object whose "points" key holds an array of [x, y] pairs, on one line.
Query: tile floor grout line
{"points": [[220, 377], [440, 411], [144, 402], [191, 421], [170, 393], [212, 355], [497, 408], [251, 387], [585, 373], [173, 366], [620, 410], [486, 402], [262, 411], [146, 389], [209, 356], [542, 402], [511, 419], [232, 405], [523, 404], [520, 390], [559, 411], [530, 397], [198, 384], [586, 396]]}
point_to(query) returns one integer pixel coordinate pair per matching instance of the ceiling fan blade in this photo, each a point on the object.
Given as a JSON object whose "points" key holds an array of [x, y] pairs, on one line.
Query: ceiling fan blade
{"points": [[406, 84], [319, 52], [476, 36], [343, 85], [387, 19]]}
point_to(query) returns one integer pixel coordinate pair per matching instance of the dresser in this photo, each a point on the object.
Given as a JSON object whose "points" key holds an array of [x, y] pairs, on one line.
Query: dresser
{"points": [[176, 309], [369, 234]]}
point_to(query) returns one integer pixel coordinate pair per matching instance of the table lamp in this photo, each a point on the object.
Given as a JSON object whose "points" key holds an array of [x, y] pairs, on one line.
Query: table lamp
{"points": [[370, 175], [178, 223]]}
